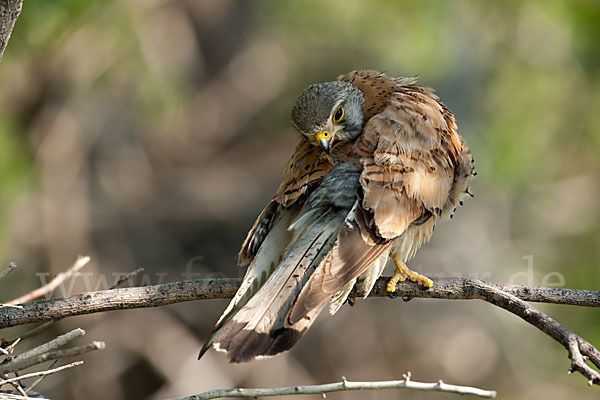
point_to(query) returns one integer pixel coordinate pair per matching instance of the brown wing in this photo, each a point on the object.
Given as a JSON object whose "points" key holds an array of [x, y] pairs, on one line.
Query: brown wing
{"points": [[306, 167], [409, 152]]}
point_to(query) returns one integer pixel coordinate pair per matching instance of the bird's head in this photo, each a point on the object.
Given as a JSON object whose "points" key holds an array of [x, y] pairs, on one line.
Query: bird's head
{"points": [[328, 112]]}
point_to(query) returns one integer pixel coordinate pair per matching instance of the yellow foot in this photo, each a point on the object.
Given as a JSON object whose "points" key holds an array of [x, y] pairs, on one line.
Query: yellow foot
{"points": [[403, 273]]}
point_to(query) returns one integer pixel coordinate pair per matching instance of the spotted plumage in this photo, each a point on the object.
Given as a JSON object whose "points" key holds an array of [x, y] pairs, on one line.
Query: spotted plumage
{"points": [[379, 163]]}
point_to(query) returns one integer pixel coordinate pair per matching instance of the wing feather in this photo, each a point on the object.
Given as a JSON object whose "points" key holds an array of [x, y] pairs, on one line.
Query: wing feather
{"points": [[356, 249], [258, 329], [409, 153], [306, 167]]}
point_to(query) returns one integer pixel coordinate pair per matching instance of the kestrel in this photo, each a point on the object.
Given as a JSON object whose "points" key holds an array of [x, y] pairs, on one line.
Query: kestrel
{"points": [[379, 163]]}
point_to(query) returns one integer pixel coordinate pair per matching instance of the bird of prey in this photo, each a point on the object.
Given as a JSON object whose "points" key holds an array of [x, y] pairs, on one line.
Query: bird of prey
{"points": [[380, 161]]}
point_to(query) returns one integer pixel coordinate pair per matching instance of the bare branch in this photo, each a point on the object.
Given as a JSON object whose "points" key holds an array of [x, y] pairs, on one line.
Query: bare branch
{"points": [[203, 289], [13, 366], [460, 289], [53, 284], [40, 373], [344, 385]]}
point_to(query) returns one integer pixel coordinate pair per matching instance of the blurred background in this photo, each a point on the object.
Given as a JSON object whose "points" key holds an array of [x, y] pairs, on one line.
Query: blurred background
{"points": [[151, 133]]}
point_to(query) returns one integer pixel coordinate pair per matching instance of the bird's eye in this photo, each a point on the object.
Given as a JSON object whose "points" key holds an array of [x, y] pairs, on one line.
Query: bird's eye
{"points": [[338, 115]]}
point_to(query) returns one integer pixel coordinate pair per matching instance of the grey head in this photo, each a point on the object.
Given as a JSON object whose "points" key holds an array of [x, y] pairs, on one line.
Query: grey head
{"points": [[328, 112]]}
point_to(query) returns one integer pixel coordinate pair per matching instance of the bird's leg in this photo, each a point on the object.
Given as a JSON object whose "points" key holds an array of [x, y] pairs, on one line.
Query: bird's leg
{"points": [[402, 273]]}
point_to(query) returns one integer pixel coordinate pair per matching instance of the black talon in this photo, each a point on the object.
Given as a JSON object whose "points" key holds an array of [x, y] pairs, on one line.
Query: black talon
{"points": [[423, 287]]}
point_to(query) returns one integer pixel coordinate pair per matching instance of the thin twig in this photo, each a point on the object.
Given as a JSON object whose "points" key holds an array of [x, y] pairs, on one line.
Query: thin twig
{"points": [[41, 378], [14, 366], [344, 385], [40, 373], [125, 278], [54, 344], [20, 389], [11, 267], [36, 330], [12, 346], [12, 396], [53, 284]]}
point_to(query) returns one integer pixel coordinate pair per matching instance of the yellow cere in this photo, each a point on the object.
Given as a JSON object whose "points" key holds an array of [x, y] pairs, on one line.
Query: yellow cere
{"points": [[322, 135]]}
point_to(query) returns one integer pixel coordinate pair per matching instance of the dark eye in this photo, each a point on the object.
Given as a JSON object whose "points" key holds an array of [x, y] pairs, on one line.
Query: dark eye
{"points": [[338, 115]]}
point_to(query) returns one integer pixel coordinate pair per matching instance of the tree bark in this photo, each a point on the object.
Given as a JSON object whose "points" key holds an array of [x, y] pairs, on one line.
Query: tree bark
{"points": [[9, 12]]}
